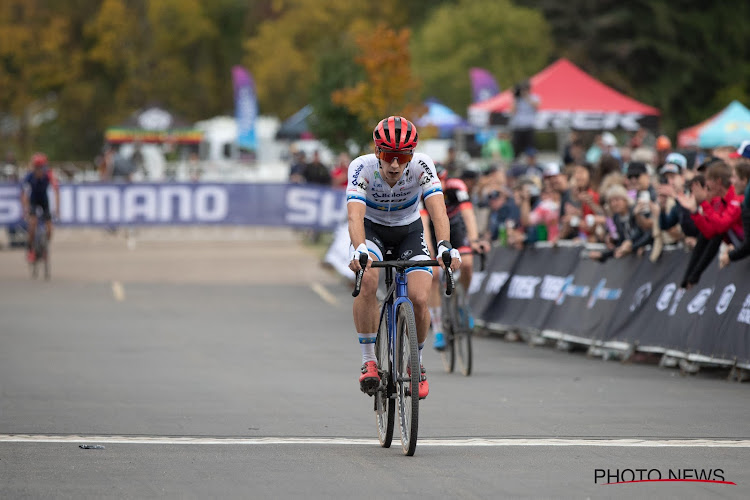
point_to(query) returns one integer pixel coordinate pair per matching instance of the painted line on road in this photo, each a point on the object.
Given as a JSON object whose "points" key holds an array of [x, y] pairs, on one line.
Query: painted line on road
{"points": [[324, 294], [464, 442], [118, 291]]}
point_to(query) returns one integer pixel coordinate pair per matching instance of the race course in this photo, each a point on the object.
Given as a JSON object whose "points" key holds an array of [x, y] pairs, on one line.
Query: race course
{"points": [[223, 363]]}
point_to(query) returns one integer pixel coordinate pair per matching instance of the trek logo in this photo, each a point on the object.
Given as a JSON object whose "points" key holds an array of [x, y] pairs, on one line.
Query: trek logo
{"points": [[626, 476], [313, 207]]}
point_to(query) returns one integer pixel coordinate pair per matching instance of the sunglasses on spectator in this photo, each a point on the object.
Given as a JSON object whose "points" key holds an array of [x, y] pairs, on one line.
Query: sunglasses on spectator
{"points": [[400, 156], [634, 176]]}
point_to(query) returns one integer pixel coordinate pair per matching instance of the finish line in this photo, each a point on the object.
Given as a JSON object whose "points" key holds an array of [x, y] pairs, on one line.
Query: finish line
{"points": [[455, 442]]}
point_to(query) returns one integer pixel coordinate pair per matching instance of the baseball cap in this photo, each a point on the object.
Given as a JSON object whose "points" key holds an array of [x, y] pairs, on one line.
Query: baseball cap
{"points": [[675, 163], [551, 169], [663, 143], [636, 168], [608, 139], [530, 151], [742, 152]]}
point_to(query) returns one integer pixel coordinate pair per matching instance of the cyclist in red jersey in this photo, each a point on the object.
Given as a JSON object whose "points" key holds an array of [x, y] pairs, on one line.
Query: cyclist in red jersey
{"points": [[34, 196], [464, 237]]}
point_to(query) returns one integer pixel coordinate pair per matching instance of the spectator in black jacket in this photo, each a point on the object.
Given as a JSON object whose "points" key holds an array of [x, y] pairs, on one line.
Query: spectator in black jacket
{"points": [[624, 235], [741, 180]]}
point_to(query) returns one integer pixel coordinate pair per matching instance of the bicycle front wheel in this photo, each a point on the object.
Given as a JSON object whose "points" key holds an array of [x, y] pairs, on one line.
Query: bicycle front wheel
{"points": [[385, 410], [448, 354], [408, 378], [462, 331]]}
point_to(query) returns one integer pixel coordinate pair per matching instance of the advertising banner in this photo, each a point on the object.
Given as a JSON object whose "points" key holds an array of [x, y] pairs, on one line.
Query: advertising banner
{"points": [[110, 204]]}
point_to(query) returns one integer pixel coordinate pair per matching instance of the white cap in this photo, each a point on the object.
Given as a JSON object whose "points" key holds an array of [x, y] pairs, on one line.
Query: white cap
{"points": [[608, 139], [551, 169]]}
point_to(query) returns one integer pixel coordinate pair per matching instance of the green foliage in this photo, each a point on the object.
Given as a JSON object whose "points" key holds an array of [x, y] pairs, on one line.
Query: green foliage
{"points": [[511, 42], [331, 123]]}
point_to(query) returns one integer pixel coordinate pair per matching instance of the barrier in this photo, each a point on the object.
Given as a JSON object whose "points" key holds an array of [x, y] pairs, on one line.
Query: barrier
{"points": [[143, 204], [628, 304]]}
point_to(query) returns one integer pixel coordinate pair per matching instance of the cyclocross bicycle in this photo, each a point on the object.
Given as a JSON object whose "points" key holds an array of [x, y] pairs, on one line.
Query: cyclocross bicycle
{"points": [[457, 328], [397, 353]]}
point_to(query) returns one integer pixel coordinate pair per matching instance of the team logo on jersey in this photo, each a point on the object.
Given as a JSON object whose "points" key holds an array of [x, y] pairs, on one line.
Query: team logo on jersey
{"points": [[406, 255]]}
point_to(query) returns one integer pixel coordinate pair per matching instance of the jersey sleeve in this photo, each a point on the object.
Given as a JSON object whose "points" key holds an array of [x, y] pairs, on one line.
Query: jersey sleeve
{"points": [[428, 179], [356, 188]]}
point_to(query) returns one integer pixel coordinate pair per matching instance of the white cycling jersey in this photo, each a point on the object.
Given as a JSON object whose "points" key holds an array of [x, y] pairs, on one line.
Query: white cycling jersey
{"points": [[397, 205]]}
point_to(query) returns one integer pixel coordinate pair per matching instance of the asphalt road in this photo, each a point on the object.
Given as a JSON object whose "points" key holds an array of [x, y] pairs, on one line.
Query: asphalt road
{"points": [[224, 364]]}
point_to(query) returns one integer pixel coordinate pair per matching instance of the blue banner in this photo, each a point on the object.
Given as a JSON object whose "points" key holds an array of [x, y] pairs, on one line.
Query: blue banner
{"points": [[108, 204], [246, 108]]}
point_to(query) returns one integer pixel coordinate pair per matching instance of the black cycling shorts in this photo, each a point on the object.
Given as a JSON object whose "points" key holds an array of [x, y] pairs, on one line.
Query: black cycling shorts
{"points": [[40, 205], [459, 239], [398, 242]]}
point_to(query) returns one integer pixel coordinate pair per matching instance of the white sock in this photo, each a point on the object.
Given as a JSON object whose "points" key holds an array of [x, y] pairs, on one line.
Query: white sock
{"points": [[367, 343], [437, 322], [421, 345]]}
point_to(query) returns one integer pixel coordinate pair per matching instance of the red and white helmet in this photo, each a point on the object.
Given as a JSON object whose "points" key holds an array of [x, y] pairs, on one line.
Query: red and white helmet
{"points": [[39, 159], [395, 133]]}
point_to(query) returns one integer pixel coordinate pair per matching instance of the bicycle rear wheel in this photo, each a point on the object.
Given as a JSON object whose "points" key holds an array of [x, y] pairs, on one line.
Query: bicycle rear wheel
{"points": [[385, 410], [408, 378], [447, 355], [462, 331]]}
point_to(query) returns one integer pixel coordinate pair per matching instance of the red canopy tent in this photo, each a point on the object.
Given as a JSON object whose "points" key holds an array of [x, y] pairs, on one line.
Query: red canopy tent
{"points": [[570, 98]]}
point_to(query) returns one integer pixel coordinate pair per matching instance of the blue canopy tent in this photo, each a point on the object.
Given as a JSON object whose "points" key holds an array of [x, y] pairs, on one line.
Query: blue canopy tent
{"points": [[728, 128], [441, 117]]}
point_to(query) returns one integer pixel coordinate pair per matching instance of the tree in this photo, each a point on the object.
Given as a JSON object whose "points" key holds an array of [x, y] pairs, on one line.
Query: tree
{"points": [[335, 124], [511, 42], [389, 87]]}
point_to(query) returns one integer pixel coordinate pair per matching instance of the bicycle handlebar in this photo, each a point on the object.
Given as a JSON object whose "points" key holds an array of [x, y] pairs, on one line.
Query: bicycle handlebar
{"points": [[404, 264]]}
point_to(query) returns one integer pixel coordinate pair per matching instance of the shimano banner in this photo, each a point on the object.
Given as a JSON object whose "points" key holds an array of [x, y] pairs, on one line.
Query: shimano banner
{"points": [[188, 204], [629, 300]]}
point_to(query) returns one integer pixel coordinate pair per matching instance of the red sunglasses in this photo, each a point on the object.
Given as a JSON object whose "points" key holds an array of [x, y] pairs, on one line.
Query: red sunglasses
{"points": [[389, 156]]}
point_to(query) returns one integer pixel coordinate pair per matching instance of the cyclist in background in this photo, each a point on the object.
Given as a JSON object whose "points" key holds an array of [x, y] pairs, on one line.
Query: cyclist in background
{"points": [[464, 237], [383, 208], [34, 195]]}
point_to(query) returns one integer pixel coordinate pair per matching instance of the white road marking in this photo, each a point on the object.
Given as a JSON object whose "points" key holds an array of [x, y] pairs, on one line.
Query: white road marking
{"points": [[118, 291], [465, 442], [324, 294]]}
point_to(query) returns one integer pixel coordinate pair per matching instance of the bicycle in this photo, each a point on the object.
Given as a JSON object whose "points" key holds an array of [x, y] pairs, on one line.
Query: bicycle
{"points": [[40, 246], [457, 326], [397, 353]]}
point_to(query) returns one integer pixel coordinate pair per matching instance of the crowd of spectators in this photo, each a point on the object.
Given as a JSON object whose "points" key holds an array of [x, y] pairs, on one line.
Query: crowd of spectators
{"points": [[632, 198]]}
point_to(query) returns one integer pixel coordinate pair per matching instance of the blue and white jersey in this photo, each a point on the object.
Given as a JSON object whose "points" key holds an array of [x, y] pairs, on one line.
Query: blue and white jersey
{"points": [[397, 205]]}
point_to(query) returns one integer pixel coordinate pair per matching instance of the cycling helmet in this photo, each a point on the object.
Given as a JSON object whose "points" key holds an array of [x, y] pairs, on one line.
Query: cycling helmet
{"points": [[395, 133], [39, 159]]}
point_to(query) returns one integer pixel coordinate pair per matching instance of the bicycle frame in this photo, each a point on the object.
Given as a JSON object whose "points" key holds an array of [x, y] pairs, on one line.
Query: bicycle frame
{"points": [[396, 289]]}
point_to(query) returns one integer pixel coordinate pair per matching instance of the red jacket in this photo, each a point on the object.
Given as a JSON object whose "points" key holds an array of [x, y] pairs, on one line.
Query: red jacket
{"points": [[720, 215]]}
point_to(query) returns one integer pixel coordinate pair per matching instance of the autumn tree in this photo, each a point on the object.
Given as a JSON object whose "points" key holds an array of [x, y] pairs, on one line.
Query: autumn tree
{"points": [[389, 87]]}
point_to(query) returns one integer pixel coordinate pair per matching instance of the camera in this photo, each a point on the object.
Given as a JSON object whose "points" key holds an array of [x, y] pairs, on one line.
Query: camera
{"points": [[517, 90]]}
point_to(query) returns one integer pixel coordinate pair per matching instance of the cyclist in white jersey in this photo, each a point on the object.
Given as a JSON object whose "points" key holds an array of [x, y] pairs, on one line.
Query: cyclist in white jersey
{"points": [[382, 201]]}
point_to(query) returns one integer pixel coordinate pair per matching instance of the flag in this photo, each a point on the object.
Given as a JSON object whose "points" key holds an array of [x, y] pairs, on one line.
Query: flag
{"points": [[483, 84], [245, 108]]}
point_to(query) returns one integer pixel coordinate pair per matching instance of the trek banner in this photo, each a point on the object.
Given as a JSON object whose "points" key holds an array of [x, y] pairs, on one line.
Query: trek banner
{"points": [[630, 300]]}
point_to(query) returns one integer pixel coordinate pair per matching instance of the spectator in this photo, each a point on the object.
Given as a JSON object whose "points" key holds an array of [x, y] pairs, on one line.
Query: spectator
{"points": [[297, 168], [574, 151], [340, 172], [607, 164], [716, 212], [674, 221], [663, 148], [544, 217], [316, 172], [580, 212], [523, 117], [624, 236], [505, 216], [741, 180], [498, 148], [639, 180]]}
